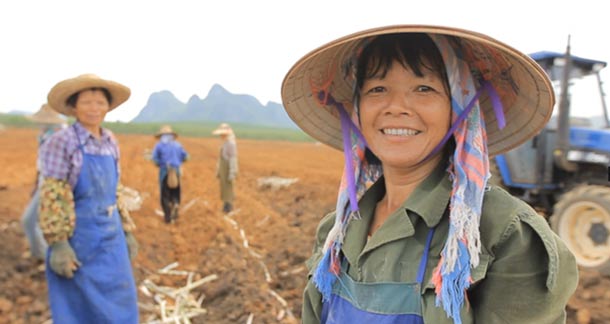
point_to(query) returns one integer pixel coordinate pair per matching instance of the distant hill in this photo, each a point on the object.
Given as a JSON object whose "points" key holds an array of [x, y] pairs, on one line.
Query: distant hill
{"points": [[219, 105]]}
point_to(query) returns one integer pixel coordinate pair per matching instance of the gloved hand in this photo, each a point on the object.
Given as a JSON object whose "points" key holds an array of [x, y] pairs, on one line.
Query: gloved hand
{"points": [[132, 245], [63, 260]]}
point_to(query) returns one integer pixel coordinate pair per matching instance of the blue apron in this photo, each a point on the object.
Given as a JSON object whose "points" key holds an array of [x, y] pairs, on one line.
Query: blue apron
{"points": [[378, 303], [103, 288]]}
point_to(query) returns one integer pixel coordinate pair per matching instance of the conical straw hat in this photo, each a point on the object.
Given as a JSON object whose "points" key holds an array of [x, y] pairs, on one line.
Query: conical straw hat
{"points": [[59, 94], [166, 129], [523, 87], [46, 115], [223, 129]]}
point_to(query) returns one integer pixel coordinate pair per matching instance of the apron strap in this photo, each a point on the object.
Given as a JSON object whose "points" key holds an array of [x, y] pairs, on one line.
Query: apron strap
{"points": [[81, 146], [424, 259]]}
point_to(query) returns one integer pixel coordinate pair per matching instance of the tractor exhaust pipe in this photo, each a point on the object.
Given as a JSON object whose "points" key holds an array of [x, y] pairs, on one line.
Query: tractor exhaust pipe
{"points": [[563, 118]]}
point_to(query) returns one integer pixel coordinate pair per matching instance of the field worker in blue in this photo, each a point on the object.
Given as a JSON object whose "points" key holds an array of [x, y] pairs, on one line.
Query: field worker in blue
{"points": [[82, 214], [49, 122], [418, 235], [169, 155]]}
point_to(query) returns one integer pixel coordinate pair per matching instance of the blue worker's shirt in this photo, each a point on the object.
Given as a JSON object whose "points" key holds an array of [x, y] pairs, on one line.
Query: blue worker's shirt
{"points": [[169, 153]]}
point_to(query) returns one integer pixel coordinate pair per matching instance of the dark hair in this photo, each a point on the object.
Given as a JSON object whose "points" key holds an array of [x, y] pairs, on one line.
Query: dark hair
{"points": [[414, 51], [74, 98]]}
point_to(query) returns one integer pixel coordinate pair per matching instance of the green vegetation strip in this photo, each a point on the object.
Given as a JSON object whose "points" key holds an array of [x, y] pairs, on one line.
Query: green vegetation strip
{"points": [[189, 129]]}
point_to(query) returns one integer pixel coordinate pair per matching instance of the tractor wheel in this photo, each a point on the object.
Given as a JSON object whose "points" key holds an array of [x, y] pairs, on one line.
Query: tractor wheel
{"points": [[582, 219]]}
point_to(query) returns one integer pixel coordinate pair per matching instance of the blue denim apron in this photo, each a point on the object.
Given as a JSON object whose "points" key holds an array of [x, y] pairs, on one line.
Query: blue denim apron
{"points": [[103, 288], [378, 303]]}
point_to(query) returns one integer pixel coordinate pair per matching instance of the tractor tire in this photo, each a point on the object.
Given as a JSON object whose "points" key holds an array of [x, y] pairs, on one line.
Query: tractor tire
{"points": [[581, 218]]}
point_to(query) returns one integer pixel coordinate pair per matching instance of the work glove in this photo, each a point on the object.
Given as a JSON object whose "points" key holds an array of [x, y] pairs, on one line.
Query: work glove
{"points": [[63, 260], [132, 245]]}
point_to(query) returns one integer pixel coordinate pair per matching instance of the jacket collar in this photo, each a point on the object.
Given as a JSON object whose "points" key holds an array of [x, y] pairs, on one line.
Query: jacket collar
{"points": [[428, 202], [84, 135]]}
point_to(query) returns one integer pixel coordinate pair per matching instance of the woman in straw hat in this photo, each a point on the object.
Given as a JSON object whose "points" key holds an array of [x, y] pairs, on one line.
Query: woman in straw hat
{"points": [[49, 122], [88, 228], [417, 234], [226, 167], [169, 155]]}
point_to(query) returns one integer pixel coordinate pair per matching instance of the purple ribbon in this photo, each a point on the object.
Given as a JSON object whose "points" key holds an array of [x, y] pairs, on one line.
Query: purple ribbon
{"points": [[496, 103], [327, 99], [497, 107], [346, 126]]}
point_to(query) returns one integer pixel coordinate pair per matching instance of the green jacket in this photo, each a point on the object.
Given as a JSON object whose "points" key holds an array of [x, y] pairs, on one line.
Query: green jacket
{"points": [[526, 273]]}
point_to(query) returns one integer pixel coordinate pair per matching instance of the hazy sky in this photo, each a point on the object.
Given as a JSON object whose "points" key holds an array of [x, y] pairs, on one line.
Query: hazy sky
{"points": [[246, 46]]}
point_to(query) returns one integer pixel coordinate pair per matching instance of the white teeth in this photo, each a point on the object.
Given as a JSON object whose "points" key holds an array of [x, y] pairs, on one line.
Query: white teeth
{"points": [[400, 131]]}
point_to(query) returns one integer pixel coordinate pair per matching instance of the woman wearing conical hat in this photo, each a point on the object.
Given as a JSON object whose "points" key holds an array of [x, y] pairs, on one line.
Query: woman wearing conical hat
{"points": [[169, 155], [49, 121], [418, 235], [226, 167], [88, 228]]}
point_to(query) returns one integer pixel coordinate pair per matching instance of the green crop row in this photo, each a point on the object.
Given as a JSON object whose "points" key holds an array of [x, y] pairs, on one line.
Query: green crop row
{"points": [[190, 129]]}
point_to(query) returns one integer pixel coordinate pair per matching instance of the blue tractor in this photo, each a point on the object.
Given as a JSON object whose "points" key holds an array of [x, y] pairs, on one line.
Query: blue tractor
{"points": [[564, 171]]}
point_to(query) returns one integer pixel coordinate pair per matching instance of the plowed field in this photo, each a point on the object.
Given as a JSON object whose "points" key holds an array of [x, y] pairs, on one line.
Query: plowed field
{"points": [[257, 252]]}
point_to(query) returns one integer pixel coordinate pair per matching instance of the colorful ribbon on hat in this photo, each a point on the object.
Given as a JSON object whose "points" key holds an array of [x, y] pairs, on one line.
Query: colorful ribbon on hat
{"points": [[470, 172], [357, 176]]}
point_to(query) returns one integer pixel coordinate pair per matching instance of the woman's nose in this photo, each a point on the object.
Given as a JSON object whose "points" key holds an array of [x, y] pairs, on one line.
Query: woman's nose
{"points": [[99, 105], [399, 104]]}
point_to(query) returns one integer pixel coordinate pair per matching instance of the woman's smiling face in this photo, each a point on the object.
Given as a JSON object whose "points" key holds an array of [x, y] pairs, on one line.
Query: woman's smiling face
{"points": [[403, 116], [91, 108]]}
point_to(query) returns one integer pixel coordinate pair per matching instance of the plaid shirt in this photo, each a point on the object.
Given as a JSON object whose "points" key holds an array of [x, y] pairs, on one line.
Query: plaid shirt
{"points": [[62, 161], [61, 157], [44, 135]]}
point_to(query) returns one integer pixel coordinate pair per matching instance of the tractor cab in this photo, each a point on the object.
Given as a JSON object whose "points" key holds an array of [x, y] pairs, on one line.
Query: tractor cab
{"points": [[554, 64], [563, 171]]}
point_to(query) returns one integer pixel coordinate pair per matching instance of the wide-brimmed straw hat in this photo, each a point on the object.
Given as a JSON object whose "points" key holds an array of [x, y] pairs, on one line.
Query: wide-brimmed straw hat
{"points": [[223, 129], [523, 87], [59, 94], [166, 129], [46, 115]]}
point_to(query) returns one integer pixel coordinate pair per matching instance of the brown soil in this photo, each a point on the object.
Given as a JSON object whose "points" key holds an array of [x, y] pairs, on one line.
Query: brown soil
{"points": [[278, 225]]}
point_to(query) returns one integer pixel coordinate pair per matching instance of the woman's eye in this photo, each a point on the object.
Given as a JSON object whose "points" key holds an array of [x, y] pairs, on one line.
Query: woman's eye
{"points": [[376, 90], [424, 88]]}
